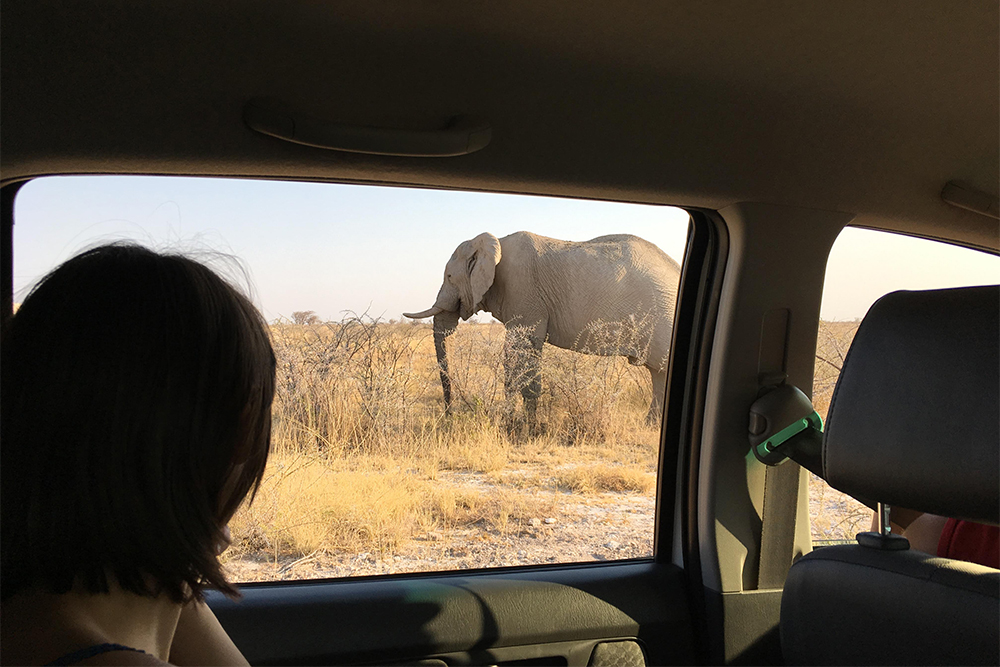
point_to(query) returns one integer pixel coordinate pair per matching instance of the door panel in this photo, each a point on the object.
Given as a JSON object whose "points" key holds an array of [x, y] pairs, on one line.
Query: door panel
{"points": [[541, 616]]}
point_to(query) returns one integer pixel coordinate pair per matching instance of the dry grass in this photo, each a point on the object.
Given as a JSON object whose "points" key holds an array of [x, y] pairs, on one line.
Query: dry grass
{"points": [[832, 343], [600, 478], [834, 515], [305, 505], [365, 461], [308, 504], [361, 442]]}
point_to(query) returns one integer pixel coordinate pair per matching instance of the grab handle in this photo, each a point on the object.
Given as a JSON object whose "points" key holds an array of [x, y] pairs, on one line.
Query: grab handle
{"points": [[463, 135]]}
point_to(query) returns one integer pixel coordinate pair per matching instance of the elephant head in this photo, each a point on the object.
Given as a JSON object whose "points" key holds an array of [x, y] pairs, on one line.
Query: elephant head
{"points": [[468, 275]]}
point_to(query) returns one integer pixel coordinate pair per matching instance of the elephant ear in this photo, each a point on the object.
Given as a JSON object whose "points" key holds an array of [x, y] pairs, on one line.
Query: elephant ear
{"points": [[487, 255]]}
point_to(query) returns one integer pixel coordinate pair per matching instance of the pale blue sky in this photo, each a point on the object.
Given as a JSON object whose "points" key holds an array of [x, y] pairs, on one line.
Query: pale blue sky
{"points": [[335, 248], [865, 264]]}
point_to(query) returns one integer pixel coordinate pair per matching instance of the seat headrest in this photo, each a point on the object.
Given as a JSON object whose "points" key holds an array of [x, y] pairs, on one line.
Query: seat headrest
{"points": [[915, 417]]}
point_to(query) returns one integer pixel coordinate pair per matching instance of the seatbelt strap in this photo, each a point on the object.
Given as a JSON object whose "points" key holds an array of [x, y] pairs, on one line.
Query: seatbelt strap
{"points": [[783, 426], [780, 413], [777, 539]]}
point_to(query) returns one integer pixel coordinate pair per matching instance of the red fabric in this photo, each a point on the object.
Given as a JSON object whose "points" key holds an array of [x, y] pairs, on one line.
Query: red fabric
{"points": [[969, 541]]}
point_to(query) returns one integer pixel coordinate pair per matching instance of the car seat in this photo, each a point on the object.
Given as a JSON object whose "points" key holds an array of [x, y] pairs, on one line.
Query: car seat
{"points": [[914, 422]]}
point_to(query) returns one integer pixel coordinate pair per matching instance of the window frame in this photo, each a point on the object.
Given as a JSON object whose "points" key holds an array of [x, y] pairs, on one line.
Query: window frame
{"points": [[675, 524]]}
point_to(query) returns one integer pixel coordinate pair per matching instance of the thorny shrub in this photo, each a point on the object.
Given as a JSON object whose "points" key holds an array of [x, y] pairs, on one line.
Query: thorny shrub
{"points": [[588, 393], [601, 386], [360, 431], [833, 340], [835, 515], [348, 384]]}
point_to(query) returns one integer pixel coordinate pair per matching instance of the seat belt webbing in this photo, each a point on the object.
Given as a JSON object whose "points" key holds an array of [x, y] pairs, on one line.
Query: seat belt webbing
{"points": [[777, 539]]}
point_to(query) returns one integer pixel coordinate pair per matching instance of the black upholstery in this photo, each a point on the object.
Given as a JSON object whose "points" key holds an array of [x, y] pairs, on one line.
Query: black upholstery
{"points": [[850, 605], [919, 398], [914, 422]]}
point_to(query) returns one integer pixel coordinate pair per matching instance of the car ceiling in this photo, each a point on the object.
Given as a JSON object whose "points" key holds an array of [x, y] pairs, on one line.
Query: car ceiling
{"points": [[867, 108]]}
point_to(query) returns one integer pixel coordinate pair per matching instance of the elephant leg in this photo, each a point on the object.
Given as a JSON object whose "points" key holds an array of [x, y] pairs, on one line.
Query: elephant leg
{"points": [[522, 363], [513, 355], [532, 389], [659, 378]]}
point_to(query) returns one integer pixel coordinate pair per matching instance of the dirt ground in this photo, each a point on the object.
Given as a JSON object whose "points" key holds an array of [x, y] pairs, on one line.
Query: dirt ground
{"points": [[573, 528], [570, 528]]}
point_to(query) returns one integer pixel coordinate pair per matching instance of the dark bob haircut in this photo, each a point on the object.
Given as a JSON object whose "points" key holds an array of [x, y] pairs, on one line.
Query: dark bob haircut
{"points": [[136, 401]]}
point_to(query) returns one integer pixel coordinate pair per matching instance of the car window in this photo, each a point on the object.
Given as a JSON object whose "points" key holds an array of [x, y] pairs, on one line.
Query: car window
{"points": [[863, 266], [546, 449]]}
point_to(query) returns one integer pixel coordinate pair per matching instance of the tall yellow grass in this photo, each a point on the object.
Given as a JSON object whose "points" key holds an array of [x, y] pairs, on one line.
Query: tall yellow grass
{"points": [[361, 439], [364, 458]]}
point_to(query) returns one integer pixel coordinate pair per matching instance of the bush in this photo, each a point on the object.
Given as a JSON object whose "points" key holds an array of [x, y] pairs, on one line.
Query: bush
{"points": [[347, 385], [361, 437]]}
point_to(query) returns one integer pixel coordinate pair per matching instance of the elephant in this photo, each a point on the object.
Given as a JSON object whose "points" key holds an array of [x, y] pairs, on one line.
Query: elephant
{"points": [[562, 292]]}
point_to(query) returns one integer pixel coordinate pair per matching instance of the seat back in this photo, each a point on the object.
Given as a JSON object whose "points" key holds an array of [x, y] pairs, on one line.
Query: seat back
{"points": [[914, 422]]}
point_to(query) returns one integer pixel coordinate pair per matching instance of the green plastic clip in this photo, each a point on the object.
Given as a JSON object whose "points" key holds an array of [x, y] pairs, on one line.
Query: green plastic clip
{"points": [[812, 421]]}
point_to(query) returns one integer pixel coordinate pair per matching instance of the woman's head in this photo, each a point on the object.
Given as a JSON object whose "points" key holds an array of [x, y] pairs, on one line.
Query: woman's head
{"points": [[136, 400]]}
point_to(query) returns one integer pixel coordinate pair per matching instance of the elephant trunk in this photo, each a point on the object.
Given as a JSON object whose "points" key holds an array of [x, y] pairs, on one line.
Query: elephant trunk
{"points": [[444, 325]]}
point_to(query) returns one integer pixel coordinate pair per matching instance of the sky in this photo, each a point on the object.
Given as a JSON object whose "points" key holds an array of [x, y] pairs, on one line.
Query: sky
{"points": [[335, 249]]}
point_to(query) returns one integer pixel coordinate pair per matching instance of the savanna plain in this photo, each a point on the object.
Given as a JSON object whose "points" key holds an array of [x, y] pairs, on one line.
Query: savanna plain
{"points": [[369, 475]]}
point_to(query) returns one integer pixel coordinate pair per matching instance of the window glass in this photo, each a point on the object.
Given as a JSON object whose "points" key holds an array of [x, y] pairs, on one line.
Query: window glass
{"points": [[369, 472], [864, 265]]}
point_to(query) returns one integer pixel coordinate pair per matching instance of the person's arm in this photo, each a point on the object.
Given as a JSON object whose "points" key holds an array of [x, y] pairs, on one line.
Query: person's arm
{"points": [[201, 640]]}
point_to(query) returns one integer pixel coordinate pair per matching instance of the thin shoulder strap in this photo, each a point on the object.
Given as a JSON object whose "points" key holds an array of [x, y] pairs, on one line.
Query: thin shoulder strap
{"points": [[90, 652]]}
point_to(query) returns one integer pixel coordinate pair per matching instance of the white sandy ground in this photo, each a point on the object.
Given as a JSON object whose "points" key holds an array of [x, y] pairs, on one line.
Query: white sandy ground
{"points": [[575, 528]]}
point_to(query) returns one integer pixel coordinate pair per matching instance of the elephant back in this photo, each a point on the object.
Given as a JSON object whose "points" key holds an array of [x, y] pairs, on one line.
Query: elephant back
{"points": [[612, 295]]}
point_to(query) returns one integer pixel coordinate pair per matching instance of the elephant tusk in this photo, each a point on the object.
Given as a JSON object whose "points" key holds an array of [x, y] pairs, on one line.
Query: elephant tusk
{"points": [[433, 310]]}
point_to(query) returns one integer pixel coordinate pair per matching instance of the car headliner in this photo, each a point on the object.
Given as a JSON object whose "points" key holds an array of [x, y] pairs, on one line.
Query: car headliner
{"points": [[867, 108]]}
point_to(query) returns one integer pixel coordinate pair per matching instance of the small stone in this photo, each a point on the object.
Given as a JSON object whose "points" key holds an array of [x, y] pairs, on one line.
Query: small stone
{"points": [[522, 554], [550, 521], [612, 545], [535, 523]]}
